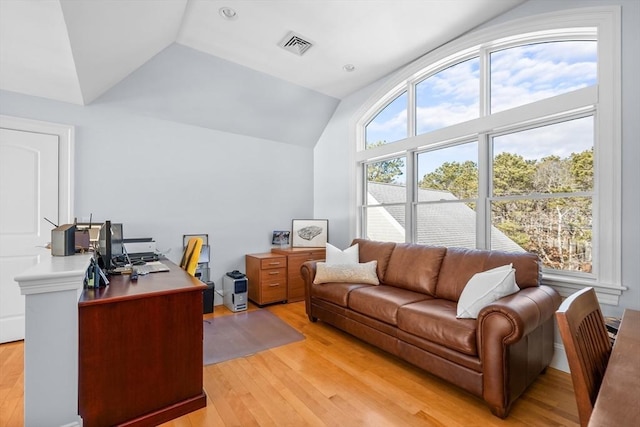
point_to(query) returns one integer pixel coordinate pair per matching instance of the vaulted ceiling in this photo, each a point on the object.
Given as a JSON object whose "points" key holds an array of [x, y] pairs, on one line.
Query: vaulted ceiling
{"points": [[75, 50], [182, 60]]}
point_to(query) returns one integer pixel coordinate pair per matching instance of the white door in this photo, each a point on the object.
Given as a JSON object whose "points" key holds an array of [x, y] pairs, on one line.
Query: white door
{"points": [[29, 190]]}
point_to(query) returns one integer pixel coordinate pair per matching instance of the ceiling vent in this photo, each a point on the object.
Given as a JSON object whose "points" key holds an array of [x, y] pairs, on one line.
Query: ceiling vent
{"points": [[295, 43]]}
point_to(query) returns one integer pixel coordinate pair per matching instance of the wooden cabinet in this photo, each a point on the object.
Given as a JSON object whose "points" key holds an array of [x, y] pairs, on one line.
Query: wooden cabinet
{"points": [[295, 258], [267, 275]]}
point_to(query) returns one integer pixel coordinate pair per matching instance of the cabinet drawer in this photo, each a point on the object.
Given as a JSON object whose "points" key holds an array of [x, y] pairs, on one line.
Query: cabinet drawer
{"points": [[268, 263], [273, 291], [273, 274]]}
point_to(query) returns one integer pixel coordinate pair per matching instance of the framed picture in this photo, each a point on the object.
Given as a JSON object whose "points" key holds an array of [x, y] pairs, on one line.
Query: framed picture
{"points": [[309, 233], [280, 237]]}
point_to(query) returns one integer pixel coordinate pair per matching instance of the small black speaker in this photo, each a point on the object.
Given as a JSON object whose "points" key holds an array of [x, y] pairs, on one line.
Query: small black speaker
{"points": [[207, 301]]}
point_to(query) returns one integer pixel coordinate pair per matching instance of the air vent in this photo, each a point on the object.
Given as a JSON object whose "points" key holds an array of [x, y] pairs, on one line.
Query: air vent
{"points": [[295, 43]]}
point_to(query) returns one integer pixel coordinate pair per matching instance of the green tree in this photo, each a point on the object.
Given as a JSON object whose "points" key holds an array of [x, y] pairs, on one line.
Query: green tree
{"points": [[460, 179], [581, 167], [386, 171], [512, 174]]}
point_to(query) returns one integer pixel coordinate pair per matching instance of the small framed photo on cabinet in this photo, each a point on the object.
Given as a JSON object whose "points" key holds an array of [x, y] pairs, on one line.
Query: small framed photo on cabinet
{"points": [[309, 233], [280, 238]]}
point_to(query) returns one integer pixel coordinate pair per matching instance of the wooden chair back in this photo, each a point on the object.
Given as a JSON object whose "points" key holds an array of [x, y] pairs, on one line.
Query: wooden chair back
{"points": [[587, 345]]}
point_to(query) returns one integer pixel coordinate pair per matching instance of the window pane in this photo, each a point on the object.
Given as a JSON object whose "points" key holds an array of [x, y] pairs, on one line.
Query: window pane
{"points": [[557, 229], [524, 74], [386, 182], [551, 159], [448, 97], [448, 173], [446, 224], [386, 223], [389, 125]]}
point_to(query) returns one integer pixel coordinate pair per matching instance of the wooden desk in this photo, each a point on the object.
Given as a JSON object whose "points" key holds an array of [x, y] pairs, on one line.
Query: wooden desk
{"points": [[618, 403], [140, 349]]}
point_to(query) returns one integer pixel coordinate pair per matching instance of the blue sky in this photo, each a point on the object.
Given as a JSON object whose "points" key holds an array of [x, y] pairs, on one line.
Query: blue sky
{"points": [[519, 75]]}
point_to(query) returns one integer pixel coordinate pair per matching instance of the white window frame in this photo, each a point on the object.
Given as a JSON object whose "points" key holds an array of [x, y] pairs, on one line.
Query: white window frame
{"points": [[606, 96]]}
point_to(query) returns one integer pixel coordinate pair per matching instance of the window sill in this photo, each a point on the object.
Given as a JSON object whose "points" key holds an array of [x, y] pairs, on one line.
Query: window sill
{"points": [[607, 293]]}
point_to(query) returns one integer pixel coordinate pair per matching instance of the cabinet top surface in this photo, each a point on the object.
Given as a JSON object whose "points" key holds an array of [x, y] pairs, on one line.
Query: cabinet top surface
{"points": [[293, 251], [265, 255]]}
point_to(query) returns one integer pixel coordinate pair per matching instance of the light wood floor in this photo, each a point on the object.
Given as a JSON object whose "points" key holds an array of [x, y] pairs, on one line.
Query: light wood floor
{"points": [[329, 379]]}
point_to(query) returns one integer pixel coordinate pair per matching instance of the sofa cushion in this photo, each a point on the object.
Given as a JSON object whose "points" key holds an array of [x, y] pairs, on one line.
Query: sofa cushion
{"points": [[460, 264], [378, 251], [336, 256], [346, 273], [336, 293], [485, 288], [414, 267], [382, 302], [435, 320]]}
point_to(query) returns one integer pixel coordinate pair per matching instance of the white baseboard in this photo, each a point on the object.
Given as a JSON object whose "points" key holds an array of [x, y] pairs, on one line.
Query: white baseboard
{"points": [[12, 328], [559, 360]]}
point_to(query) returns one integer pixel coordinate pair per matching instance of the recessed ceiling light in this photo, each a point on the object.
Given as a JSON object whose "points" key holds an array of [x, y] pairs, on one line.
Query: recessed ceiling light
{"points": [[349, 68], [228, 13]]}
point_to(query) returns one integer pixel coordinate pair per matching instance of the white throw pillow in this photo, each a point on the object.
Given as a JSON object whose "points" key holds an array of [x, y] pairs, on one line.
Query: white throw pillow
{"points": [[336, 256], [484, 288], [347, 273]]}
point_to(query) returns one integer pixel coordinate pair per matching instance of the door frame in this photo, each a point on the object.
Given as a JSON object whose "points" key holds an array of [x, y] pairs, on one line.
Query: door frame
{"points": [[66, 158]]}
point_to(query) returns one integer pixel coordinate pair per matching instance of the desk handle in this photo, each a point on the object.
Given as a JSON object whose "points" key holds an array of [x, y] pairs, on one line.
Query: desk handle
{"points": [[273, 285], [274, 263], [273, 273]]}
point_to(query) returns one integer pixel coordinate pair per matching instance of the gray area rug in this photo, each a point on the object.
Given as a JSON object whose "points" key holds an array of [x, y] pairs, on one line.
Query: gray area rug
{"points": [[244, 333]]}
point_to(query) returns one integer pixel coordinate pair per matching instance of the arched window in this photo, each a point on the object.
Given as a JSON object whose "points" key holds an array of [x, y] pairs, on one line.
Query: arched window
{"points": [[506, 139]]}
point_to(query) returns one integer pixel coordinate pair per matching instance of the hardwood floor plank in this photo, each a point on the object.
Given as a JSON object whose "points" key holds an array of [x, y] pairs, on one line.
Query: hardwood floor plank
{"points": [[329, 379]]}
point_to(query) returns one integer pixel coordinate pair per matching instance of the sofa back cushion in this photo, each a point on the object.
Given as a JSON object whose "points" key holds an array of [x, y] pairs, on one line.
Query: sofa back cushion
{"points": [[415, 267], [460, 264], [370, 250]]}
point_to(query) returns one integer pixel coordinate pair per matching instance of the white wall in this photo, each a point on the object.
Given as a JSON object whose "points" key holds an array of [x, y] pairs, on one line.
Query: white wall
{"points": [[163, 179], [334, 199]]}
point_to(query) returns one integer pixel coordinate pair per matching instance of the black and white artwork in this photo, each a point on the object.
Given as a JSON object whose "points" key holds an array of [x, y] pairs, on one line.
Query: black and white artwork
{"points": [[309, 233]]}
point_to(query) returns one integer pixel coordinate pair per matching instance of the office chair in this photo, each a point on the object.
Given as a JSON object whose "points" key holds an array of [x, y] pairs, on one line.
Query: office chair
{"points": [[587, 345], [191, 255]]}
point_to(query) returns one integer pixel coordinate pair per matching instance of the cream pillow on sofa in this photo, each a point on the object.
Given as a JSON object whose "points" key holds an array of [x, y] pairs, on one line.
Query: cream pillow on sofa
{"points": [[335, 256], [484, 288], [347, 273]]}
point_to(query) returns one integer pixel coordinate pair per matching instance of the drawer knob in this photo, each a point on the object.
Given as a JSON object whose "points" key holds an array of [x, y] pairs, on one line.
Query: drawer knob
{"points": [[273, 273], [274, 263], [273, 285]]}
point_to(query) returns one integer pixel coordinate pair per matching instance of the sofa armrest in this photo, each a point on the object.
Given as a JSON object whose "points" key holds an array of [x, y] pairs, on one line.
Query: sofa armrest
{"points": [[506, 322], [521, 312], [308, 272]]}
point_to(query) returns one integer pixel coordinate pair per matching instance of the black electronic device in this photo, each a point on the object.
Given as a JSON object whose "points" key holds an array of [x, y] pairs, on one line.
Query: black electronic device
{"points": [[104, 246], [110, 245], [235, 274]]}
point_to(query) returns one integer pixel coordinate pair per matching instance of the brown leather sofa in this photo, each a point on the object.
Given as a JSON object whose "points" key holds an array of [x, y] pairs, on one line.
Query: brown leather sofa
{"points": [[412, 314]]}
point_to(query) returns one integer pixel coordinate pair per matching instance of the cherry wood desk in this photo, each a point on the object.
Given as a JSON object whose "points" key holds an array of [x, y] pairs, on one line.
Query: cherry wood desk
{"points": [[618, 403], [140, 349]]}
